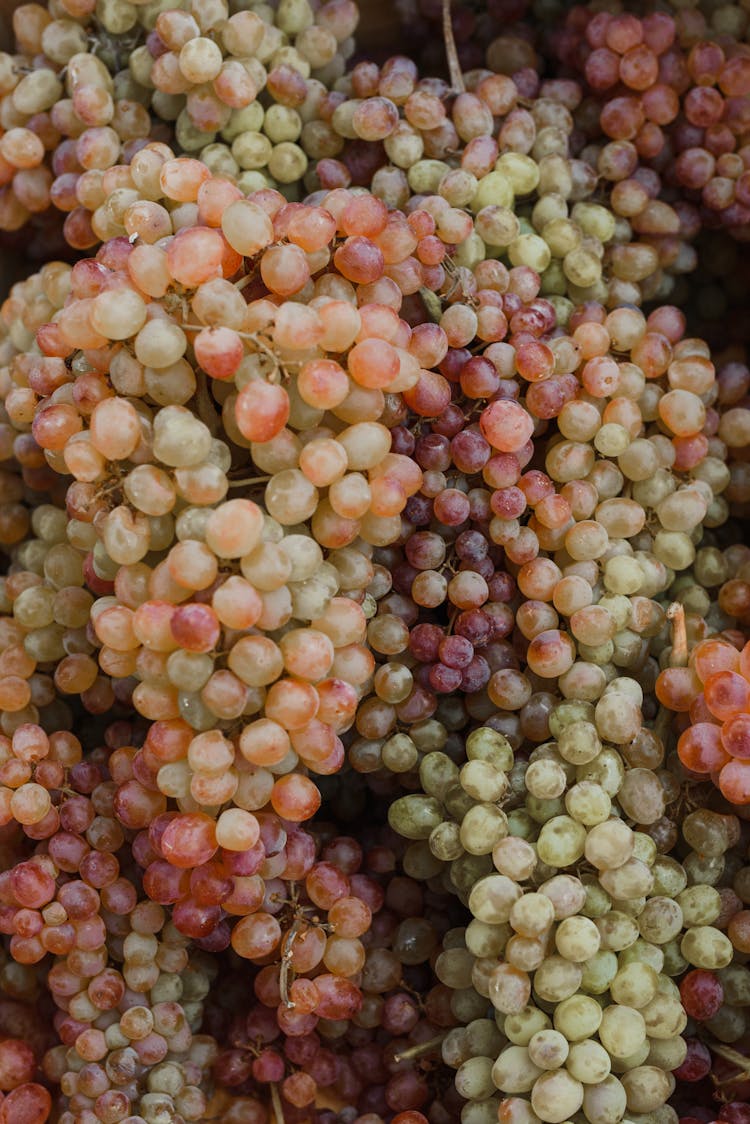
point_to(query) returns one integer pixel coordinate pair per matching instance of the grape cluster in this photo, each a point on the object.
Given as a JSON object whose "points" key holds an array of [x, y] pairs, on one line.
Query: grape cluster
{"points": [[149, 474], [714, 999], [521, 582], [677, 97], [715, 741], [379, 1057], [509, 164], [85, 93], [546, 939]]}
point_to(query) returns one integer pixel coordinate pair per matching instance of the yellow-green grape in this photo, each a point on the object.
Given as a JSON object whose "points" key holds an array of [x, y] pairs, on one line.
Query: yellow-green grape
{"points": [[493, 897], [646, 1088], [556, 1096], [706, 947], [700, 905], [635, 985], [482, 828], [415, 817], [487, 744], [482, 780], [598, 972], [557, 979], [588, 1062], [561, 842], [578, 1017], [514, 1071], [549, 1049], [577, 939]]}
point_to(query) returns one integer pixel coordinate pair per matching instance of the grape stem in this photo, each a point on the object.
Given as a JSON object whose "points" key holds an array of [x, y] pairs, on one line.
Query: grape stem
{"points": [[243, 281], [679, 655], [249, 480], [276, 1104], [252, 337], [739, 1060], [678, 658], [206, 411], [428, 1047], [287, 951], [454, 66]]}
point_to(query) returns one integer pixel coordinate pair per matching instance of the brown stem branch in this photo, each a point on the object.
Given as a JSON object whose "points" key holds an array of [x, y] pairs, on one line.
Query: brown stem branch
{"points": [[679, 655], [428, 1047], [739, 1060], [205, 406], [454, 66], [287, 951], [278, 1111], [251, 336], [249, 480]]}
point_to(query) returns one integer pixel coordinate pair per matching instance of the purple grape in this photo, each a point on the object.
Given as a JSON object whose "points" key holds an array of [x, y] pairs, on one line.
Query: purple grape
{"points": [[452, 507], [470, 546], [433, 452], [476, 675], [697, 1064], [402, 440], [418, 510], [424, 642], [456, 651], [475, 626], [425, 550], [470, 451], [444, 679]]}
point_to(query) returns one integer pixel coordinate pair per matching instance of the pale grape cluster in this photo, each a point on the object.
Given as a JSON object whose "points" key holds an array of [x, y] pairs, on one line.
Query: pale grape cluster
{"points": [[150, 1059], [547, 943], [72, 124], [187, 578], [597, 544], [126, 987], [491, 151], [149, 474]]}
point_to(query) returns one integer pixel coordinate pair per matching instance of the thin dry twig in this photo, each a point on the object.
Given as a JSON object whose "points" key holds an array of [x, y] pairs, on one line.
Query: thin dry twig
{"points": [[454, 66], [679, 655], [206, 410], [248, 481], [428, 1047], [287, 951], [739, 1060], [244, 281], [278, 1111], [262, 347], [678, 658]]}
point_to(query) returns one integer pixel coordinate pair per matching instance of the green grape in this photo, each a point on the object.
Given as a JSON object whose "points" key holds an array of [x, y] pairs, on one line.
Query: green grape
{"points": [[415, 817]]}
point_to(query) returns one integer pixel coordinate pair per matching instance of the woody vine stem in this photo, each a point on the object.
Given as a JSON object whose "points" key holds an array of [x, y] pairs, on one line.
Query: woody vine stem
{"points": [[454, 66]]}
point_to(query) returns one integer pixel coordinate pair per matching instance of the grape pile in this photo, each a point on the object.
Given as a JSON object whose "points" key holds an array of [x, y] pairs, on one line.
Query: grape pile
{"points": [[375, 615]]}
